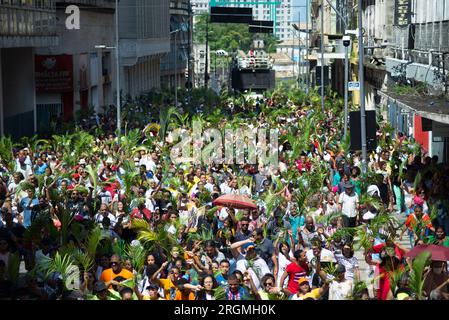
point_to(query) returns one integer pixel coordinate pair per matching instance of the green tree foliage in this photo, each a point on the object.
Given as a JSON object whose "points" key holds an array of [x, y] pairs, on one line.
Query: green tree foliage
{"points": [[230, 37]]}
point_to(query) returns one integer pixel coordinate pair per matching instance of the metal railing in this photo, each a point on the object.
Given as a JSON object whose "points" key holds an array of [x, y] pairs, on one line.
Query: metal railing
{"points": [[254, 63], [32, 19]]}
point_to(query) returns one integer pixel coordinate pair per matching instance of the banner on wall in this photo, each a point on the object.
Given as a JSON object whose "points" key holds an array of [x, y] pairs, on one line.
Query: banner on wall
{"points": [[402, 12], [54, 73]]}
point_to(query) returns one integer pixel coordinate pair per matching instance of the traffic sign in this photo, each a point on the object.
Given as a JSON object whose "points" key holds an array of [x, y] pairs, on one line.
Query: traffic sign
{"points": [[354, 86]]}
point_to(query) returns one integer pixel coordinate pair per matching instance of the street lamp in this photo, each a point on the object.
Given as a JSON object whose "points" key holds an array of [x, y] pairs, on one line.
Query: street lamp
{"points": [[362, 89], [346, 44], [175, 32], [306, 6], [297, 28], [117, 62]]}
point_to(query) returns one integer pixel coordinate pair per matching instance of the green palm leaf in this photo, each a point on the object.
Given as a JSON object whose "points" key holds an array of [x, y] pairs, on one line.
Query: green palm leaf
{"points": [[137, 255], [416, 281]]}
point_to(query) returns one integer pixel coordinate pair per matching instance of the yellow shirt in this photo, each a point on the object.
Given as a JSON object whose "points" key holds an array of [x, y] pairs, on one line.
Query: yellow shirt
{"points": [[169, 288], [314, 294]]}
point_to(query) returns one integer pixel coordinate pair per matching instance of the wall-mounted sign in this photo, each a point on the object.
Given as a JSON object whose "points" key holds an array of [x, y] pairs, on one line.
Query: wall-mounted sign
{"points": [[354, 86], [54, 74], [402, 12]]}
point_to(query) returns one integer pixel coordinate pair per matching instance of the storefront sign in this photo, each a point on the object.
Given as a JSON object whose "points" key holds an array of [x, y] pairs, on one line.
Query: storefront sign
{"points": [[54, 74], [402, 12]]}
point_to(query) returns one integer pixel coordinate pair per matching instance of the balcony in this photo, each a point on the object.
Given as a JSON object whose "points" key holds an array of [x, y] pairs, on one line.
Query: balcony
{"points": [[179, 7], [94, 4], [28, 25]]}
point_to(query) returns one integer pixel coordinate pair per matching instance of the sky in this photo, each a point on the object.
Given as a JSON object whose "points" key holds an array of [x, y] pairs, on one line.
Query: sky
{"points": [[296, 10]]}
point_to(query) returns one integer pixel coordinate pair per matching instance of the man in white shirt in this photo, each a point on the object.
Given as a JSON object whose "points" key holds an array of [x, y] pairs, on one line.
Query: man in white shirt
{"points": [[209, 186], [102, 213], [340, 288], [259, 267], [24, 168], [349, 205]]}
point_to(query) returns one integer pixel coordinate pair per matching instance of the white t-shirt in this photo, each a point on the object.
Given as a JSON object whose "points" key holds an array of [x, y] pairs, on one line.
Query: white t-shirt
{"points": [[283, 262], [326, 255], [349, 204], [340, 290], [209, 187], [350, 264], [105, 196], [257, 271], [99, 218], [331, 208], [27, 171]]}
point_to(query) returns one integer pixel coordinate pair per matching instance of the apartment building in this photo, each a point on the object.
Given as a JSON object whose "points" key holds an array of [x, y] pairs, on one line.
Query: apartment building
{"points": [[174, 65], [57, 71], [24, 27]]}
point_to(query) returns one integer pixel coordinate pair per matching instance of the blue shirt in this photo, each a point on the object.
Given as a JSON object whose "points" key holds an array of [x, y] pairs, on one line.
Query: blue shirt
{"points": [[41, 169], [27, 210], [296, 222], [221, 280], [336, 179]]}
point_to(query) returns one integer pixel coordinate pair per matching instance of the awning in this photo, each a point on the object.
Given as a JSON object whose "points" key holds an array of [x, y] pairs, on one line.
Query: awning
{"points": [[433, 108]]}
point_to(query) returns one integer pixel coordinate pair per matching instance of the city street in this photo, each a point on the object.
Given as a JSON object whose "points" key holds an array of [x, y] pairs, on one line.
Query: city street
{"points": [[224, 150]]}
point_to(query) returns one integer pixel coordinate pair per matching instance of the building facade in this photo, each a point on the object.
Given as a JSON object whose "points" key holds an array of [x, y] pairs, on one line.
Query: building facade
{"points": [[174, 66], [24, 27], [58, 71], [199, 64], [414, 57]]}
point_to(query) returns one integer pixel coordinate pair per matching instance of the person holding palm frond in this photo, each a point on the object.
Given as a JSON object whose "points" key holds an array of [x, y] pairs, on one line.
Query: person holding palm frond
{"points": [[417, 225], [391, 256]]}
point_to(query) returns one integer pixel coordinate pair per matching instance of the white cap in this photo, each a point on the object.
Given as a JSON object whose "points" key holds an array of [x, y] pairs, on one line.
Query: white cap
{"points": [[372, 189], [327, 256], [369, 215], [223, 214], [82, 161]]}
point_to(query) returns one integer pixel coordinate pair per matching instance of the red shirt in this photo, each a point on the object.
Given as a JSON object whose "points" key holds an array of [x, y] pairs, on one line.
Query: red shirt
{"points": [[303, 166], [378, 248], [112, 187], [135, 213], [294, 273]]}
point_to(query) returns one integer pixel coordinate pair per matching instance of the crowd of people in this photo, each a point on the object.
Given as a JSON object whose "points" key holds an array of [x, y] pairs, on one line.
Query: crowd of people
{"points": [[151, 231]]}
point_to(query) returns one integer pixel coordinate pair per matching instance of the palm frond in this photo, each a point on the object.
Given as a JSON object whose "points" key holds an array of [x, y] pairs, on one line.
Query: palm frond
{"points": [[219, 293], [92, 242], [416, 281], [137, 255]]}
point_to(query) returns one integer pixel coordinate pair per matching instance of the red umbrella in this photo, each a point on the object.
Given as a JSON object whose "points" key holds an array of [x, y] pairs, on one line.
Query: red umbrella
{"points": [[439, 253], [235, 201]]}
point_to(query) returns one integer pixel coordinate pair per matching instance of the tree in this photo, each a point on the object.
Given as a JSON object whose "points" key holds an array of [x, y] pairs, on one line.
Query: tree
{"points": [[230, 37]]}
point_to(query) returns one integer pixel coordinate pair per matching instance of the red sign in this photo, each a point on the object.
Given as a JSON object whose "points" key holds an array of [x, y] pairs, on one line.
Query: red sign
{"points": [[421, 136], [54, 74]]}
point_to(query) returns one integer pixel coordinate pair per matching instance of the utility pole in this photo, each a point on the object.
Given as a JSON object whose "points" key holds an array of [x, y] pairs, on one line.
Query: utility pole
{"points": [[346, 90], [362, 91], [176, 71], [307, 45], [299, 49], [117, 62], [189, 54], [322, 56], [206, 74]]}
